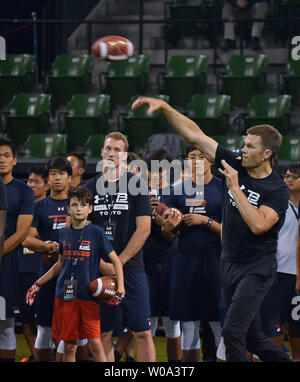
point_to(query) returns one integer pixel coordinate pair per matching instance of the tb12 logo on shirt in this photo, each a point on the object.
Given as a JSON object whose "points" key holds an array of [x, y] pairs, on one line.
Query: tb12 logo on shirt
{"points": [[252, 196], [59, 221]]}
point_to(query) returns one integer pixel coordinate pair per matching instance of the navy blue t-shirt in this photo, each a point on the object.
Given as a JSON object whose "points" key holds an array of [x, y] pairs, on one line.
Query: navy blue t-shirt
{"points": [[239, 243], [86, 253], [124, 206], [197, 239], [49, 217], [20, 201], [157, 249], [3, 201]]}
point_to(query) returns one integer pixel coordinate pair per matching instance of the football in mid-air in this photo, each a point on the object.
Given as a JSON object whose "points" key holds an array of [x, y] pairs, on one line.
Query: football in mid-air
{"points": [[167, 212], [103, 288], [113, 48]]}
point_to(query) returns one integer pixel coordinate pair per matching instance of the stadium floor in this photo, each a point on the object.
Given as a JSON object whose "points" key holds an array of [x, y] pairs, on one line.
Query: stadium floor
{"points": [[23, 351]]}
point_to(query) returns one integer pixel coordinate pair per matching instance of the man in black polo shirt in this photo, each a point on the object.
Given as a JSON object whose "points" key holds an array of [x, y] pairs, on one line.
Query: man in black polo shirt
{"points": [[255, 201]]}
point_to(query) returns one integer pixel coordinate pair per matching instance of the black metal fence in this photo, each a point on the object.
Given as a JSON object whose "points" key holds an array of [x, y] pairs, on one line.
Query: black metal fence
{"points": [[47, 41]]}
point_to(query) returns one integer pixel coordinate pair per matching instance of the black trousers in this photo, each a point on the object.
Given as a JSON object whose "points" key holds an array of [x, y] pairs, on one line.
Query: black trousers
{"points": [[245, 286]]}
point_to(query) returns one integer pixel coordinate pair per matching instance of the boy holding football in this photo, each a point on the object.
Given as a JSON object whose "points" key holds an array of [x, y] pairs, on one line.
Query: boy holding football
{"points": [[81, 246]]}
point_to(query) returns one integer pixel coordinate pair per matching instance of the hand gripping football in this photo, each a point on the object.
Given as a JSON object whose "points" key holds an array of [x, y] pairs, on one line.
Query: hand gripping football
{"points": [[113, 48], [166, 214], [161, 208], [103, 288]]}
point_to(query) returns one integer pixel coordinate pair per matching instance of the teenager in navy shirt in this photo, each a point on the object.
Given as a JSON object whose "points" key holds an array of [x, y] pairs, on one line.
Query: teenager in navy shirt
{"points": [[196, 263], [20, 205], [29, 262], [50, 215], [158, 255]]}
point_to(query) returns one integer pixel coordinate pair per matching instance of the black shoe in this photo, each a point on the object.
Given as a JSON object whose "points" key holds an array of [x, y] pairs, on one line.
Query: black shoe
{"points": [[118, 356], [130, 359], [255, 43], [228, 45]]}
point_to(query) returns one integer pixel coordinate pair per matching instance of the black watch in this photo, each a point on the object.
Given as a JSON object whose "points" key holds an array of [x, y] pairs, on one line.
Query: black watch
{"points": [[208, 224]]}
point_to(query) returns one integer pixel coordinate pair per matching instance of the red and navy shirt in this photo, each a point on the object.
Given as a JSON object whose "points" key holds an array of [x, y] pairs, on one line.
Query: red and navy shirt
{"points": [[85, 253]]}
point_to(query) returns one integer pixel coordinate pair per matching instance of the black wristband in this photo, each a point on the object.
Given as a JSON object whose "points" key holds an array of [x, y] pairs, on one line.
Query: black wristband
{"points": [[208, 224]]}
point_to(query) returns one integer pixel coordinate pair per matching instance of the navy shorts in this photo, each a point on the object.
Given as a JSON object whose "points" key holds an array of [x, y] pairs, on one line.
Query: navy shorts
{"points": [[135, 307], [276, 308], [45, 303], [159, 278], [27, 313], [195, 287]]}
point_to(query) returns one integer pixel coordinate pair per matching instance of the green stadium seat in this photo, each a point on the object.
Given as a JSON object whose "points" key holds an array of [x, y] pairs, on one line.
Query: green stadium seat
{"points": [[289, 81], [230, 142], [290, 149], [125, 78], [139, 126], [27, 114], [86, 114], [245, 75], [69, 75], [16, 76], [210, 112], [274, 110], [45, 145], [93, 145], [184, 76]]}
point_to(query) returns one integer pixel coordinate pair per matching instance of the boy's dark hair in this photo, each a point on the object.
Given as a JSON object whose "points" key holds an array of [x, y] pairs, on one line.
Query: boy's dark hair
{"points": [[83, 194], [190, 148], [8, 142], [156, 153], [131, 156], [41, 171], [81, 159], [60, 163], [293, 168]]}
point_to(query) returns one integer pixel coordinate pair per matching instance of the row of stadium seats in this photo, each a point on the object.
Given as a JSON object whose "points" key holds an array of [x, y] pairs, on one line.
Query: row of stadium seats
{"points": [[183, 77], [45, 146], [88, 114]]}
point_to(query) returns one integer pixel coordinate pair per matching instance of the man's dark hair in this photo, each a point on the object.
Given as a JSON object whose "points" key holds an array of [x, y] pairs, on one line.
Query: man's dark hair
{"points": [[8, 142], [293, 168], [81, 159], [270, 137], [41, 171], [60, 163], [156, 153], [83, 194]]}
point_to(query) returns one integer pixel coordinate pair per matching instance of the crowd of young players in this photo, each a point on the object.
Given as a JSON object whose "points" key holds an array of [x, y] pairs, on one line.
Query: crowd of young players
{"points": [[168, 274]]}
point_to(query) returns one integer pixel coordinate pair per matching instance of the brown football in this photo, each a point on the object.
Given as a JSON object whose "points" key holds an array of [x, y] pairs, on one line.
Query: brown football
{"points": [[103, 288], [113, 48], [161, 208], [167, 213]]}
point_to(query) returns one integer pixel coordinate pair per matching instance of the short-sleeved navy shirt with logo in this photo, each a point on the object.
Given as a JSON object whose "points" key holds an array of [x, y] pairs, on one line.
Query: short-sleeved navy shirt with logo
{"points": [[49, 217], [85, 254], [123, 207]]}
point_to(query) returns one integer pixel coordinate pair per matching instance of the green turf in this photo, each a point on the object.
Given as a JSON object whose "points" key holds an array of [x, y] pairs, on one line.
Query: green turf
{"points": [[160, 345]]}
